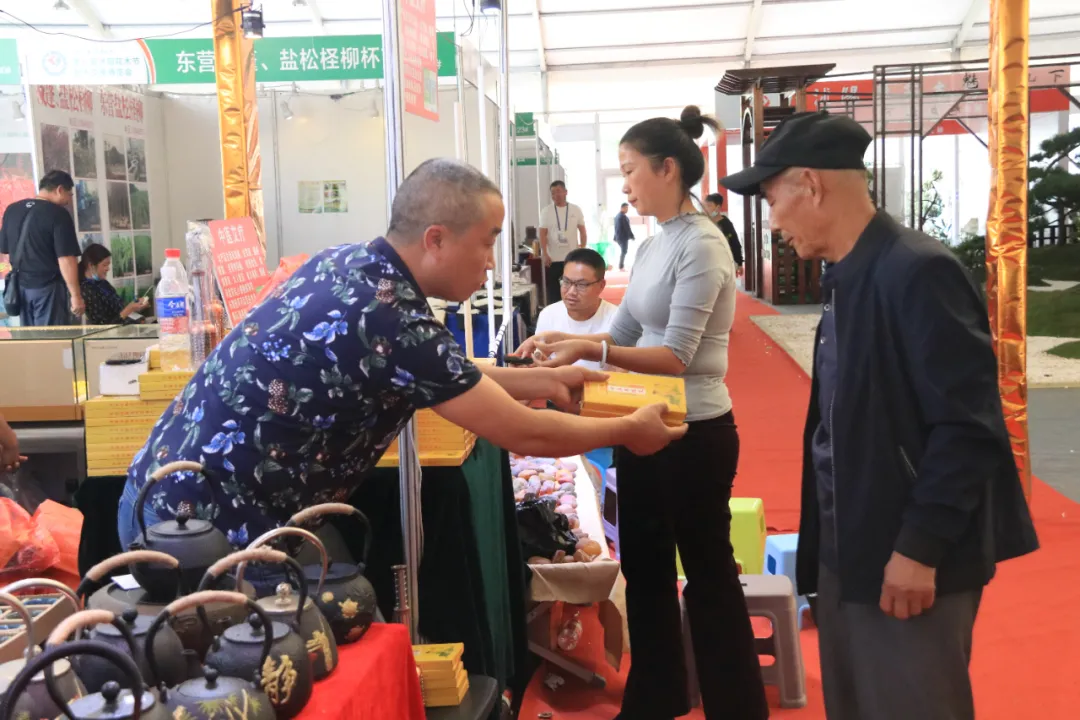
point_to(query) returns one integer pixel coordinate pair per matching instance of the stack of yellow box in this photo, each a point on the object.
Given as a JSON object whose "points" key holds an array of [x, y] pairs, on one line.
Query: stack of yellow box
{"points": [[441, 442], [443, 679], [162, 385], [116, 429], [624, 393]]}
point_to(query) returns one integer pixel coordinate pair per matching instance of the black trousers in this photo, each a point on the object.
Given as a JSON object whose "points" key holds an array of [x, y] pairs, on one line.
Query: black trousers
{"points": [[554, 275], [49, 306], [679, 497]]}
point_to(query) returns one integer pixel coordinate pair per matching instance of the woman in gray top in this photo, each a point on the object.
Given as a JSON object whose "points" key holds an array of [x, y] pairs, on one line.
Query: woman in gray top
{"points": [[675, 319]]}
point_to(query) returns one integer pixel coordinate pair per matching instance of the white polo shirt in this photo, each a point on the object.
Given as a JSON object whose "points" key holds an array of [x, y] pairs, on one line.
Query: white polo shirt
{"points": [[562, 229]]}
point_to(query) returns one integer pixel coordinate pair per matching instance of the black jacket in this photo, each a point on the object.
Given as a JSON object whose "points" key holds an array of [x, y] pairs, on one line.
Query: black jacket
{"points": [[728, 228], [623, 233], [921, 456]]}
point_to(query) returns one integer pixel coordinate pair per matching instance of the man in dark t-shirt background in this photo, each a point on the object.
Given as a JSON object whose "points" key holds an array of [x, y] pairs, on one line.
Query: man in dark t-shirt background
{"points": [[714, 204], [48, 262]]}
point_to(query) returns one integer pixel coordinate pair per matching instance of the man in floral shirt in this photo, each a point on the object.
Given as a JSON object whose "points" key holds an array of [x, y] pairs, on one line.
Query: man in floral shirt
{"points": [[298, 403]]}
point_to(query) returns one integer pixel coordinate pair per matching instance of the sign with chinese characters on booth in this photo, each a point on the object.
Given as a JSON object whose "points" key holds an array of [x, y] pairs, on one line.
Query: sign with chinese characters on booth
{"points": [[239, 265], [175, 61], [419, 58]]}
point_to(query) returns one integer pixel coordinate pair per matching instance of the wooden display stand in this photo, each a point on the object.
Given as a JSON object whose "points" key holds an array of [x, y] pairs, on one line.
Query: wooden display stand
{"points": [[773, 272]]}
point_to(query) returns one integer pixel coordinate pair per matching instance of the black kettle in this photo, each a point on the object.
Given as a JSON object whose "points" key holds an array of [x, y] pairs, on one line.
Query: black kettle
{"points": [[287, 677], [347, 598], [178, 665], [113, 703], [302, 611], [36, 700], [115, 699], [216, 695], [195, 543]]}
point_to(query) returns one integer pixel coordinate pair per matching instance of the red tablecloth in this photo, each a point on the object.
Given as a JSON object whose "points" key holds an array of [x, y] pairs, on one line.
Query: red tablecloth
{"points": [[375, 680]]}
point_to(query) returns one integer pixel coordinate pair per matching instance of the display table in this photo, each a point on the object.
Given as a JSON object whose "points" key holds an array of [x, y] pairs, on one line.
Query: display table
{"points": [[471, 583], [375, 679], [596, 582]]}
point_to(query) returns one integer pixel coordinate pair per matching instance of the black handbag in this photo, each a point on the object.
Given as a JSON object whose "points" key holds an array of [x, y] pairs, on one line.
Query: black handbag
{"points": [[12, 295]]}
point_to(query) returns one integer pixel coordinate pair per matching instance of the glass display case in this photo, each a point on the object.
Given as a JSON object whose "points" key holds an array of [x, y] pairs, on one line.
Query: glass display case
{"points": [[44, 373], [100, 346]]}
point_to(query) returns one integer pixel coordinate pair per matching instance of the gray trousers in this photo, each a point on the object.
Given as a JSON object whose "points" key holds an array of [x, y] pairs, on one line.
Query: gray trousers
{"points": [[49, 306], [875, 667]]}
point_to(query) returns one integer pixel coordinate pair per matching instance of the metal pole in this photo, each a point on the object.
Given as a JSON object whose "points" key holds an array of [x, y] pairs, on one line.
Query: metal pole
{"points": [[485, 167], [504, 175], [539, 209], [408, 459]]}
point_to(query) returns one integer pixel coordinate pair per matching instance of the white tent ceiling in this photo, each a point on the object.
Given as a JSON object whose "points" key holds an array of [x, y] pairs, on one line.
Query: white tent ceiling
{"points": [[611, 55]]}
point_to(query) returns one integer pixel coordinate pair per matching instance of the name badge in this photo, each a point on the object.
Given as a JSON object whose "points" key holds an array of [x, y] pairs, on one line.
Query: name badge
{"points": [[563, 240]]}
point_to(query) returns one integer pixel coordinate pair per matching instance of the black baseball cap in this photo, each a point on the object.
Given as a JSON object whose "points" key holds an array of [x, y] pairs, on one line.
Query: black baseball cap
{"points": [[815, 140]]}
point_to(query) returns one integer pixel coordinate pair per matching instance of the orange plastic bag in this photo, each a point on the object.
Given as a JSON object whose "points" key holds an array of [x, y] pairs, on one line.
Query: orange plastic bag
{"points": [[284, 271], [65, 525], [24, 545]]}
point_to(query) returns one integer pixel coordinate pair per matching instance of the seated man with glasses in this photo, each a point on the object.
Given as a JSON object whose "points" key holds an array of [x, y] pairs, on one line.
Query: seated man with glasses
{"points": [[582, 310]]}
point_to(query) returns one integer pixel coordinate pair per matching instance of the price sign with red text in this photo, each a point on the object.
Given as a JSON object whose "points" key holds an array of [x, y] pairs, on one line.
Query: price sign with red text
{"points": [[239, 265]]}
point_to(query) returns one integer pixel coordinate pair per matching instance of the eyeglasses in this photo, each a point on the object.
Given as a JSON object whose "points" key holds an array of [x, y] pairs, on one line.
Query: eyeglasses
{"points": [[579, 285]]}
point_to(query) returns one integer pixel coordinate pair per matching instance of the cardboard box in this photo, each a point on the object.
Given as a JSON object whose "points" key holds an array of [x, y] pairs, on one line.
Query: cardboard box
{"points": [[623, 394]]}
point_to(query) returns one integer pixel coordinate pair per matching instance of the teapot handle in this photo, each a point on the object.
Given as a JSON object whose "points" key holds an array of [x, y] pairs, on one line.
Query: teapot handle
{"points": [[72, 624], [20, 585], [205, 598], [160, 474], [15, 604], [98, 573], [45, 660], [315, 511], [242, 558], [286, 530]]}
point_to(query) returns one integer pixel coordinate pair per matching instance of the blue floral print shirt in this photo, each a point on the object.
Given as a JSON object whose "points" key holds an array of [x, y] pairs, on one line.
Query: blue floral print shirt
{"points": [[299, 402]]}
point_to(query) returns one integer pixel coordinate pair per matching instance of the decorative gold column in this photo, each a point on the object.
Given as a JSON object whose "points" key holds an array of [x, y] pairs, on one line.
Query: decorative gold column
{"points": [[1007, 222], [238, 113]]}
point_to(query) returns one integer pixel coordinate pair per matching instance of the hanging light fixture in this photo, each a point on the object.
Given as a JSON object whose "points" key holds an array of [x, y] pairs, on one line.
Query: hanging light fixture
{"points": [[251, 20], [61, 5], [490, 5]]}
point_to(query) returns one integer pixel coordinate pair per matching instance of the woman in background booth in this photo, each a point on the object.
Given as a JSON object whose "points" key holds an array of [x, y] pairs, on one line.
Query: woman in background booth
{"points": [[103, 303], [675, 320]]}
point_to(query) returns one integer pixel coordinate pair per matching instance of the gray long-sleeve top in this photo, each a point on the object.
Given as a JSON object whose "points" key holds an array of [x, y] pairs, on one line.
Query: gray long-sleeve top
{"points": [[682, 296]]}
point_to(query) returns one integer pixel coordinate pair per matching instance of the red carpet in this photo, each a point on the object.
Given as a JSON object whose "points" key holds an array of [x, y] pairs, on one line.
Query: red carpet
{"points": [[1027, 639]]}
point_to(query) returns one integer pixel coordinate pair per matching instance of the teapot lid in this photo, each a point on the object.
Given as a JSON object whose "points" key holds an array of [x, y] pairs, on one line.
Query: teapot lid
{"points": [[212, 686], [282, 602], [251, 632], [183, 526], [112, 703], [137, 623]]}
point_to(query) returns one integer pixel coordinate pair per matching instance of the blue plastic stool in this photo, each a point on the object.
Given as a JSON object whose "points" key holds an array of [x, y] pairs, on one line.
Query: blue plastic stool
{"points": [[780, 560]]}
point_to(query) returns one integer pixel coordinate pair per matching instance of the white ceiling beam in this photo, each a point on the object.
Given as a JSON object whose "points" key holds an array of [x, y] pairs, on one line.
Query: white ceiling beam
{"points": [[969, 22], [83, 9], [316, 14], [541, 51], [753, 24]]}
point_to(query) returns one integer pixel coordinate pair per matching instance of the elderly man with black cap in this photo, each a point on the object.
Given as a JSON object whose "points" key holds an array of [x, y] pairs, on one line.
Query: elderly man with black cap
{"points": [[910, 492]]}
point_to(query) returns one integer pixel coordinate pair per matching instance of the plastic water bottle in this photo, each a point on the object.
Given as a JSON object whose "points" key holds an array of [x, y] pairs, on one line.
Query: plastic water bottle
{"points": [[171, 301]]}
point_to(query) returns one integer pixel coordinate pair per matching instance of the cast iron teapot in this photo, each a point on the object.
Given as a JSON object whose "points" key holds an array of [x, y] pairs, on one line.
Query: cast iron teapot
{"points": [[308, 619], [287, 674], [347, 598], [36, 700], [195, 543], [113, 703], [178, 664], [116, 698], [215, 696]]}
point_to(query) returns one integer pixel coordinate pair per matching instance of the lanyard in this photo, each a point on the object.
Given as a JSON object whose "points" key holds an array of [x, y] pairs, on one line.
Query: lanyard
{"points": [[557, 223]]}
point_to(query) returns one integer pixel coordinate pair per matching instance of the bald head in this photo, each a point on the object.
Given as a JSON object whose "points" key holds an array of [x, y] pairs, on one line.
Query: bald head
{"points": [[439, 192]]}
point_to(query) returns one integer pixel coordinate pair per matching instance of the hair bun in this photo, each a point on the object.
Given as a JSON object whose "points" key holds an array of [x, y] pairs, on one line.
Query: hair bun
{"points": [[692, 122]]}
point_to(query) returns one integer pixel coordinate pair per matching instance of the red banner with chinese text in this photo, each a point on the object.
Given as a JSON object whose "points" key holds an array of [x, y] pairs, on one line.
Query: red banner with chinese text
{"points": [[419, 58], [239, 265]]}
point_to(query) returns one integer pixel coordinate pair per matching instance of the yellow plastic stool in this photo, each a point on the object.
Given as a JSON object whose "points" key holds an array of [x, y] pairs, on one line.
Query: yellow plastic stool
{"points": [[747, 536]]}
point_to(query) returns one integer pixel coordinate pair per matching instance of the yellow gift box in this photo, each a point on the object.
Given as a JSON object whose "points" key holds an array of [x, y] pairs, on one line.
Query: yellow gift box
{"points": [[623, 394]]}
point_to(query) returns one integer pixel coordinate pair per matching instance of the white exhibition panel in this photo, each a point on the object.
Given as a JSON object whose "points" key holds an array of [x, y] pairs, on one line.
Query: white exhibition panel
{"points": [[326, 140]]}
